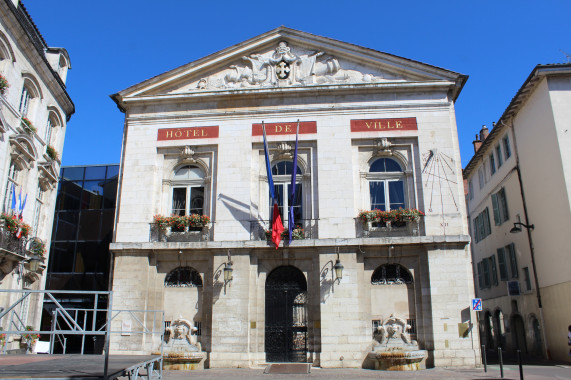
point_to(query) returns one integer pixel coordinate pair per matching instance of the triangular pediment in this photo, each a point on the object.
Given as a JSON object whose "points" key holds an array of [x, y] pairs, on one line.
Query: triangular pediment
{"points": [[288, 58]]}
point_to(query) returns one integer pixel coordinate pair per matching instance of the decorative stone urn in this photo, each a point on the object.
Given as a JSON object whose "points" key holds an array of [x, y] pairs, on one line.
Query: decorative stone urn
{"points": [[181, 350], [393, 350]]}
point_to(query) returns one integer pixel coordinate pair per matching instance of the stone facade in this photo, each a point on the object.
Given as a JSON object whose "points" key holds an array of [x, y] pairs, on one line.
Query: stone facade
{"points": [[34, 110], [196, 130], [522, 156]]}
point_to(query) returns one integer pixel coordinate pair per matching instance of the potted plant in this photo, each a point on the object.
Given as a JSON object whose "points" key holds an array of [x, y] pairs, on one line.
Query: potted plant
{"points": [[51, 152], [2, 338], [389, 219], [185, 226], [30, 339], [297, 233], [15, 225], [3, 85], [28, 126]]}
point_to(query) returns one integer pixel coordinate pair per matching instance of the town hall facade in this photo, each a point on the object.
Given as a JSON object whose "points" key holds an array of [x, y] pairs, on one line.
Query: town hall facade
{"points": [[376, 132]]}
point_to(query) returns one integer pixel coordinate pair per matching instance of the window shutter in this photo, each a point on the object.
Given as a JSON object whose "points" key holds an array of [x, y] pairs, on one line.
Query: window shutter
{"points": [[480, 276], [502, 264], [486, 273], [513, 260], [494, 269], [504, 204], [497, 219]]}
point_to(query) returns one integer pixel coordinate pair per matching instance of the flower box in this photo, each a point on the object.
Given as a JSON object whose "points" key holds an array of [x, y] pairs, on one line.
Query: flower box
{"points": [[182, 228], [297, 233], [3, 85], [28, 126], [377, 223]]}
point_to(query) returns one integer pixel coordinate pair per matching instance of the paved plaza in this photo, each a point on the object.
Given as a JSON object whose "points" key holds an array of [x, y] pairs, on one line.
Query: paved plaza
{"points": [[531, 372]]}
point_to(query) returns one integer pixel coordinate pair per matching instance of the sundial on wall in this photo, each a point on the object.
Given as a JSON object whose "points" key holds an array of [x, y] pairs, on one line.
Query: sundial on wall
{"points": [[440, 178]]}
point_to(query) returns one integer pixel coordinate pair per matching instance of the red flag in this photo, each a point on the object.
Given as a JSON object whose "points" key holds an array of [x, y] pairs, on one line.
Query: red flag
{"points": [[277, 226]]}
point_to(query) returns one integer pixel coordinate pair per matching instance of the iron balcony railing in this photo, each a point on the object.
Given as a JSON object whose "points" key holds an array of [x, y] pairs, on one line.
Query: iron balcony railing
{"points": [[188, 234], [388, 229], [304, 229]]}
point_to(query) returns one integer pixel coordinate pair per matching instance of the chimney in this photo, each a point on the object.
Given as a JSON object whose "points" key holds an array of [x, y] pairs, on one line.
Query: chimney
{"points": [[484, 133], [477, 144]]}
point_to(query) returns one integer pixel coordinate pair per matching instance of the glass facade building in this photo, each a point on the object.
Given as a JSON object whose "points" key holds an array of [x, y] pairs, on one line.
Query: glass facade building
{"points": [[83, 229]]}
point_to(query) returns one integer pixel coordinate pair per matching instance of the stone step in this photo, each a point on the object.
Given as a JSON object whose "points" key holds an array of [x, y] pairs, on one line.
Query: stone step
{"points": [[288, 368]]}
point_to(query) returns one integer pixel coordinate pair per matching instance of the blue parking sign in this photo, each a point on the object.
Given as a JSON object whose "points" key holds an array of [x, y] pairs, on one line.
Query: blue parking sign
{"points": [[477, 304]]}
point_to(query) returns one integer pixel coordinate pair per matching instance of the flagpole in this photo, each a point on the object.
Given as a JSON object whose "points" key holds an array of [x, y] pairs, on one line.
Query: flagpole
{"points": [[291, 221], [277, 225]]}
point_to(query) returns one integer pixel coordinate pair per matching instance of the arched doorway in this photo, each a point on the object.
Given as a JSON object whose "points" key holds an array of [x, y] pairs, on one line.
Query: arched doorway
{"points": [[488, 330], [518, 334], [286, 316]]}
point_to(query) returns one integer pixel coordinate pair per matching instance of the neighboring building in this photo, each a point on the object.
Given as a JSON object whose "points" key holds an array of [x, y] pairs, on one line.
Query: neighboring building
{"points": [[34, 110], [377, 131], [524, 161], [79, 251]]}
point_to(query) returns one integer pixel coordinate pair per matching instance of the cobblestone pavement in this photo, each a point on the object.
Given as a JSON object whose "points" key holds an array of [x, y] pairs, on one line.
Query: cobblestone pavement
{"points": [[531, 372]]}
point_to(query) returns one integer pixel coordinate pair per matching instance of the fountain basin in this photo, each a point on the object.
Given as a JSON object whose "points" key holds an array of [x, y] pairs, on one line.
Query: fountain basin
{"points": [[398, 360], [184, 362]]}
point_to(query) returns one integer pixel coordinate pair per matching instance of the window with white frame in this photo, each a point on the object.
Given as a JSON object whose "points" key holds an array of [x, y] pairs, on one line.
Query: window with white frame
{"points": [[188, 191], [25, 101], [37, 210], [386, 185], [13, 181], [500, 205], [281, 175]]}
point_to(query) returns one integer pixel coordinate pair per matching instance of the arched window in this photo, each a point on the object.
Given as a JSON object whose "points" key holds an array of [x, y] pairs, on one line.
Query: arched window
{"points": [[52, 124], [391, 274], [386, 185], [281, 173], [30, 96], [183, 277], [14, 174], [188, 191]]}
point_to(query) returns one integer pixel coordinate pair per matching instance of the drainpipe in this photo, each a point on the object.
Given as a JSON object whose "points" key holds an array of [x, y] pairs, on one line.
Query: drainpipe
{"points": [[531, 248]]}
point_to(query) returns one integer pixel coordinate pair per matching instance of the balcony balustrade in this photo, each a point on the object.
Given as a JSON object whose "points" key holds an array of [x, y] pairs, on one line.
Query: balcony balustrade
{"points": [[186, 234], [305, 229]]}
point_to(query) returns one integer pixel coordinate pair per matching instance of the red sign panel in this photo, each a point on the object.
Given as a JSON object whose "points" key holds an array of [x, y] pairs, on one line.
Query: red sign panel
{"points": [[187, 133], [371, 125], [285, 128]]}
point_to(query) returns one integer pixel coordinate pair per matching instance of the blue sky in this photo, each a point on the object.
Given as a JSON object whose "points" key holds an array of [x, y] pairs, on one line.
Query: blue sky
{"points": [[116, 44]]}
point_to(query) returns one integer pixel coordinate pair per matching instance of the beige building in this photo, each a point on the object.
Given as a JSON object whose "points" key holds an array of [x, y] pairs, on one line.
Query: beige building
{"points": [[377, 131], [521, 164], [34, 110]]}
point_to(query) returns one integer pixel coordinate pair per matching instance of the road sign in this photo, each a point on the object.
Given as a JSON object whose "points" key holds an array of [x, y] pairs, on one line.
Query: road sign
{"points": [[477, 304]]}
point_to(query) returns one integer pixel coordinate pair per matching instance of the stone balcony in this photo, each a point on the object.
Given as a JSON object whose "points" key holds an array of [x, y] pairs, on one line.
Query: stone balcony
{"points": [[388, 229], [188, 234], [305, 229]]}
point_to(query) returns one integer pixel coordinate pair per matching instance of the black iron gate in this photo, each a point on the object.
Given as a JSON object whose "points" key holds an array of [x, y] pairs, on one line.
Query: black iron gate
{"points": [[286, 316]]}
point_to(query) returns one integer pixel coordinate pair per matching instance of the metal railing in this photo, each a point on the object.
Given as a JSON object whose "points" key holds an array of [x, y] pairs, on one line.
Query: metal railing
{"points": [[304, 229], [83, 322], [388, 229], [189, 234]]}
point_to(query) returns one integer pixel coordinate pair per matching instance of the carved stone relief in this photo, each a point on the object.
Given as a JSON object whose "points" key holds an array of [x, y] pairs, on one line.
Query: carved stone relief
{"points": [[284, 67]]}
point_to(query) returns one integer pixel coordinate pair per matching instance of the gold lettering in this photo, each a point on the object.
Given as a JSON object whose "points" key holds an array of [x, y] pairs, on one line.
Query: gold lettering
{"points": [[169, 135], [196, 132], [368, 126], [178, 133], [187, 133], [399, 124], [389, 125], [278, 128], [288, 128], [204, 132]]}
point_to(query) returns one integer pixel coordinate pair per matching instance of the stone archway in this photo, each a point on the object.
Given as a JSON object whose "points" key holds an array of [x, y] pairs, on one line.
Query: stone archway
{"points": [[518, 333], [286, 315]]}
